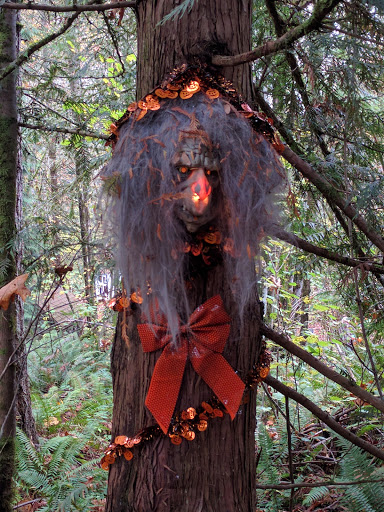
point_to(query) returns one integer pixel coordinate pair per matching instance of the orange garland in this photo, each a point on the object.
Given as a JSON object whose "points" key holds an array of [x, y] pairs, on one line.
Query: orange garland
{"points": [[185, 82], [186, 423]]}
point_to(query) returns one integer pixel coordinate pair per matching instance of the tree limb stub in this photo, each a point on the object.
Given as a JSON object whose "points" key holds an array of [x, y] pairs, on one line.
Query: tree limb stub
{"points": [[300, 243], [321, 9], [82, 133], [324, 417], [330, 193], [287, 344], [69, 8]]}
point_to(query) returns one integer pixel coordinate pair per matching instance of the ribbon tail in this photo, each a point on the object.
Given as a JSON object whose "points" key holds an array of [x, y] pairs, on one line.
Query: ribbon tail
{"points": [[165, 386], [221, 378]]}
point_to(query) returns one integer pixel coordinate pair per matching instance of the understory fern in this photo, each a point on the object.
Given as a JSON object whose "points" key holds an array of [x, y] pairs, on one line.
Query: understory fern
{"points": [[55, 473], [72, 403], [315, 494], [357, 465], [268, 469]]}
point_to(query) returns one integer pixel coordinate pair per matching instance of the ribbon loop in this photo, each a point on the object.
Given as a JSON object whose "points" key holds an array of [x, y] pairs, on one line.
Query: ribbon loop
{"points": [[202, 340]]}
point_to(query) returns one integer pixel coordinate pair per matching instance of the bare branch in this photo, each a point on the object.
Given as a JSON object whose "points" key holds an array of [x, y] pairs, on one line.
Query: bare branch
{"points": [[324, 417], [325, 483], [296, 241], [352, 387], [24, 56], [320, 11], [83, 133], [68, 8]]}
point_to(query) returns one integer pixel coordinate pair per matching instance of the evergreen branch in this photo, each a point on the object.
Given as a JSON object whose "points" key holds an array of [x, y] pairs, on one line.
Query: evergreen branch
{"points": [[280, 26], [178, 12], [296, 241], [332, 195], [324, 417], [69, 8], [289, 139], [352, 387], [24, 56], [326, 483], [277, 123], [82, 133], [320, 11]]}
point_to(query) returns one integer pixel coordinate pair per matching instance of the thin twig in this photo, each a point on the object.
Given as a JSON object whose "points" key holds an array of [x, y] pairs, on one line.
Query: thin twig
{"points": [[274, 403], [290, 465], [82, 133], [365, 338], [27, 503], [115, 43], [331, 194], [331, 374]]}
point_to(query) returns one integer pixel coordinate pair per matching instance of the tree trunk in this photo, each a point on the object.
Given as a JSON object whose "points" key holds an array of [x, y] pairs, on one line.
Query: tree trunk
{"points": [[25, 417], [216, 471], [222, 27], [8, 173]]}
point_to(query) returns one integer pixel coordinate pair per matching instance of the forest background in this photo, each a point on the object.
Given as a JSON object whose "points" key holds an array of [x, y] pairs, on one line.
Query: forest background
{"points": [[321, 286]]}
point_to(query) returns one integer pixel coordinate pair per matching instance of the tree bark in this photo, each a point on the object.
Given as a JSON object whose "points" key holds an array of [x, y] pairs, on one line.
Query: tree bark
{"points": [[211, 27], [217, 471], [8, 172]]}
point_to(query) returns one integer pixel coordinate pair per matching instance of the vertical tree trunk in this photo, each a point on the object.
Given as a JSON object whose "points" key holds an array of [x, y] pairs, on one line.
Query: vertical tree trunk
{"points": [[217, 471], [25, 418], [8, 172], [222, 27]]}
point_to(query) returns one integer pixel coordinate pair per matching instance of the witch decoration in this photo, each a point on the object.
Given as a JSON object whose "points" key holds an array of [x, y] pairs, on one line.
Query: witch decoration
{"points": [[191, 185]]}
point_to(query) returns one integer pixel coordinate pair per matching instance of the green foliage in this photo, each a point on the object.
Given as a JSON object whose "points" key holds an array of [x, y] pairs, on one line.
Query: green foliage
{"points": [[179, 11], [358, 465], [72, 401], [334, 120], [57, 473], [271, 454]]}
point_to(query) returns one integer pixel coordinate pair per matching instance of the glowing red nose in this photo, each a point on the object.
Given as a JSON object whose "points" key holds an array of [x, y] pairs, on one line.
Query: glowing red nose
{"points": [[202, 188]]}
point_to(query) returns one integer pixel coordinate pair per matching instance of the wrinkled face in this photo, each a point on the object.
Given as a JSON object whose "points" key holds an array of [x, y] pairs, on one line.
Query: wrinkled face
{"points": [[198, 206], [197, 179]]}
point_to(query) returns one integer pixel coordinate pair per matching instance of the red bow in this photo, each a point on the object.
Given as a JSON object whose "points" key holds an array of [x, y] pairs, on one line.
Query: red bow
{"points": [[202, 339]]}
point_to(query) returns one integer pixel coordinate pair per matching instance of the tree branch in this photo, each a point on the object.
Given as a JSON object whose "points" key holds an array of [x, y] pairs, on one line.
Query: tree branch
{"points": [[68, 8], [83, 133], [352, 387], [296, 241], [320, 11], [324, 417], [331, 194], [280, 26], [24, 56], [326, 483]]}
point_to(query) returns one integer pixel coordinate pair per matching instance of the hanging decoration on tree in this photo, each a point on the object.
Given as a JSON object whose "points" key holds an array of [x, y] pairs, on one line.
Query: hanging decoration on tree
{"points": [[185, 424], [202, 341], [192, 182]]}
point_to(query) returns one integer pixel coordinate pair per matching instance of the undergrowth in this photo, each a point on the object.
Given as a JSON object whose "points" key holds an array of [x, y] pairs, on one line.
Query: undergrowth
{"points": [[72, 403]]}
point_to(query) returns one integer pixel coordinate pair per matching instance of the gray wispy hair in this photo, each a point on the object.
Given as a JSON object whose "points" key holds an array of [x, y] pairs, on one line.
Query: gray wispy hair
{"points": [[142, 213]]}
